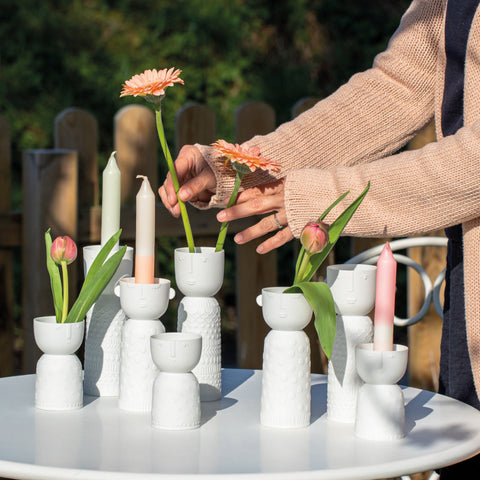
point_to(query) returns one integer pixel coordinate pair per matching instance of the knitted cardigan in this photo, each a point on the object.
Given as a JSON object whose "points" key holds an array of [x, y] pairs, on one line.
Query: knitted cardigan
{"points": [[350, 138]]}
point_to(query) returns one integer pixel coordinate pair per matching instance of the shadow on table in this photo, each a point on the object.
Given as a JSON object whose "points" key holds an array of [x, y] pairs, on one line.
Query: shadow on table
{"points": [[319, 401]]}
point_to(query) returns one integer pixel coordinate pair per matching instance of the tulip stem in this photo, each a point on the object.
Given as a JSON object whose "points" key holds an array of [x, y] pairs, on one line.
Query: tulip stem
{"points": [[65, 290], [303, 267], [224, 226]]}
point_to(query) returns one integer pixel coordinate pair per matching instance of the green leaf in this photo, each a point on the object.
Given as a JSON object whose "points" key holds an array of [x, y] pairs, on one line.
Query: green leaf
{"points": [[320, 298], [55, 280], [336, 228], [102, 255], [95, 287]]}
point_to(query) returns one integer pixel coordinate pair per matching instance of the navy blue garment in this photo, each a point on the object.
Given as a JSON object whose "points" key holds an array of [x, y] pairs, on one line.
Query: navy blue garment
{"points": [[456, 378]]}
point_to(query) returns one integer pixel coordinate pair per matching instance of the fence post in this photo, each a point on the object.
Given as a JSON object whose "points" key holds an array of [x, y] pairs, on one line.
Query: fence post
{"points": [[136, 143], [194, 123], [7, 363], [254, 271], [49, 201]]}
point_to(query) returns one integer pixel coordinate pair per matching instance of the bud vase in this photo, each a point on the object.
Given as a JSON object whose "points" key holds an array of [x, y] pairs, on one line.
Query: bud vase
{"points": [[143, 304], [199, 276], [353, 291], [285, 399], [104, 323], [59, 379]]}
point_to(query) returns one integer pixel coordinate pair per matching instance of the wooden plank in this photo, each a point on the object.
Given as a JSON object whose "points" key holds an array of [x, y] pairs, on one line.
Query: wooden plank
{"points": [[254, 271], [195, 123], [50, 201], [303, 105], [136, 143], [11, 228], [7, 323]]}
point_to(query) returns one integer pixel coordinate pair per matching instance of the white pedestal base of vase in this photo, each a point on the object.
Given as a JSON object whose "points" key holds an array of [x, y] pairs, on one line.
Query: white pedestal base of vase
{"points": [[343, 380], [285, 400], [199, 277], [381, 408], [59, 376], [202, 315], [137, 370], [104, 323]]}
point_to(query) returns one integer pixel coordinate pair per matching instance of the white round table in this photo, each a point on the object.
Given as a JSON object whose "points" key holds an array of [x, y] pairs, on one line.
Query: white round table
{"points": [[100, 441]]}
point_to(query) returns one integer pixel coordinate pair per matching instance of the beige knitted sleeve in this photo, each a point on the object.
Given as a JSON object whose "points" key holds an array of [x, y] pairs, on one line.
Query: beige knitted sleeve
{"points": [[370, 117]]}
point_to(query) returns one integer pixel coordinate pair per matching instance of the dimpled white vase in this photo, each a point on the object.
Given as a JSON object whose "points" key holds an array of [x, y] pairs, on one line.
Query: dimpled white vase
{"points": [[59, 378], [353, 291], [199, 276], [285, 399], [143, 304], [176, 392], [104, 323], [381, 407]]}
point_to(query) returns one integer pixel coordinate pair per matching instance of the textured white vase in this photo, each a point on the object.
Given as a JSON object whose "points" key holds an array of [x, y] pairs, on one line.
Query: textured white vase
{"points": [[143, 304], [176, 392], [199, 276], [104, 323], [353, 291], [59, 378], [285, 399], [381, 406]]}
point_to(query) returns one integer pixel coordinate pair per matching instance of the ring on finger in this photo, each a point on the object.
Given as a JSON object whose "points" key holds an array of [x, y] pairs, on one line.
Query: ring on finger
{"points": [[279, 225]]}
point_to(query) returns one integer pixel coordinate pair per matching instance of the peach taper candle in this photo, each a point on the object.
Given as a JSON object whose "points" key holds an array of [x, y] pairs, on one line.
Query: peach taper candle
{"points": [[385, 300], [145, 233]]}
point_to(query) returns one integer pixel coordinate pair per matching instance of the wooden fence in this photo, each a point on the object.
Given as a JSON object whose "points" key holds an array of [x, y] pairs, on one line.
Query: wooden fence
{"points": [[61, 191]]}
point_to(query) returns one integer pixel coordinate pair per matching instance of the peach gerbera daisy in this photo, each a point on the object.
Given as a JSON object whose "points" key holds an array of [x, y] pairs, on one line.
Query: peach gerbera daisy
{"points": [[151, 82], [245, 155]]}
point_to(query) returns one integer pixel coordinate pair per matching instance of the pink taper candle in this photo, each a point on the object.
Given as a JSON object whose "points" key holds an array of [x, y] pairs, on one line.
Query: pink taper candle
{"points": [[145, 234], [385, 300]]}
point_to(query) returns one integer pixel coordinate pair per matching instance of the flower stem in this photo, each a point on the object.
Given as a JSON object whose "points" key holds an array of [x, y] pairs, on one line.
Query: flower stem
{"points": [[173, 175], [303, 266], [65, 290], [224, 226]]}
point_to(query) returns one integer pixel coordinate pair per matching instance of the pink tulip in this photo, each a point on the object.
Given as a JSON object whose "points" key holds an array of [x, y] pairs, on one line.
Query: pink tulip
{"points": [[314, 237], [63, 249]]}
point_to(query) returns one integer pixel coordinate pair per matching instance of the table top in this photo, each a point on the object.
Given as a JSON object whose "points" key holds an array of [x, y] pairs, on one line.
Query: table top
{"points": [[100, 441]]}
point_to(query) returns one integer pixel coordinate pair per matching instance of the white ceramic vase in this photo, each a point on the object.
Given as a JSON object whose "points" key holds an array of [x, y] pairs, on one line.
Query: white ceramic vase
{"points": [[353, 291], [381, 406], [285, 399], [143, 304], [59, 378], [104, 323], [176, 392], [199, 276]]}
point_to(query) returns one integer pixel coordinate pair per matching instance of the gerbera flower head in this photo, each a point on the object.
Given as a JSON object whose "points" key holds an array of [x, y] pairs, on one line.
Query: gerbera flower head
{"points": [[151, 83], [245, 156]]}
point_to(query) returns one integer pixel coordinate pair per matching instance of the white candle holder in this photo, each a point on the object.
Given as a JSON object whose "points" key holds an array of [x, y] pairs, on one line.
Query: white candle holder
{"points": [[104, 323], [353, 291], [143, 304], [58, 382], [286, 396], [176, 391], [199, 276], [380, 406]]}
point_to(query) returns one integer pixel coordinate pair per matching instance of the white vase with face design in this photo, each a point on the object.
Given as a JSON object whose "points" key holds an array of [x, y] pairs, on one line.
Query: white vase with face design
{"points": [[285, 399], [199, 276], [104, 323], [143, 304], [59, 377], [353, 291]]}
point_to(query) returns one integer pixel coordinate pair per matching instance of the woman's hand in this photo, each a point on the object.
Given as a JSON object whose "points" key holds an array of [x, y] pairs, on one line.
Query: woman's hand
{"points": [[197, 180], [256, 201]]}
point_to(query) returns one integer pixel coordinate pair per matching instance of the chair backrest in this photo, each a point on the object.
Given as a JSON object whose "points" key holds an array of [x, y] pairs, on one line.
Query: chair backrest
{"points": [[432, 292]]}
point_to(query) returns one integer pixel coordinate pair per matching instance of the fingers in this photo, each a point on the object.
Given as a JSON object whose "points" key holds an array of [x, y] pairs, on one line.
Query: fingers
{"points": [[199, 187], [281, 238]]}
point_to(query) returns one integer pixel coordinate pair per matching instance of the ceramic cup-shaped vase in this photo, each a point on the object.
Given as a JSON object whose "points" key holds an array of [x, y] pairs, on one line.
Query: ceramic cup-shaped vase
{"points": [[176, 392], [199, 276], [381, 408], [285, 399], [59, 378], [143, 304], [353, 291], [104, 323]]}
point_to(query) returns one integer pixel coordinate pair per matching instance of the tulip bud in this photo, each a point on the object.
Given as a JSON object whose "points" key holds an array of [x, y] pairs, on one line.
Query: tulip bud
{"points": [[314, 237], [63, 249]]}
